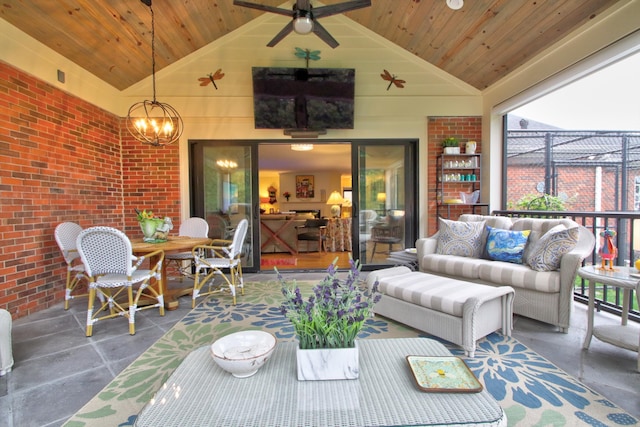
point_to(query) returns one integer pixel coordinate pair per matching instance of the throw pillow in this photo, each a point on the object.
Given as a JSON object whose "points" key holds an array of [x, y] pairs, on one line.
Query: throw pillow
{"points": [[460, 238], [506, 245], [549, 249]]}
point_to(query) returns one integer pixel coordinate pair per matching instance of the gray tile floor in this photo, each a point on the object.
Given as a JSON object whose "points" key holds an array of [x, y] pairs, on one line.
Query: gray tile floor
{"points": [[57, 369]]}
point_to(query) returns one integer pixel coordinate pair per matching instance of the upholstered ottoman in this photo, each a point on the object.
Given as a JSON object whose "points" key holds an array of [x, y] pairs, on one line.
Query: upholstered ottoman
{"points": [[457, 311]]}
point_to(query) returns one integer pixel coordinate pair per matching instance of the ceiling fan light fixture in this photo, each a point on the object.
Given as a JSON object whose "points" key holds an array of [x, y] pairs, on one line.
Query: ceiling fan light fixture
{"points": [[455, 4], [303, 25]]}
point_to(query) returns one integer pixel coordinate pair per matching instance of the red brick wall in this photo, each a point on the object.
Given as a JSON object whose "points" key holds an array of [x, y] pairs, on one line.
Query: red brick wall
{"points": [[63, 160], [151, 181], [576, 182], [439, 128]]}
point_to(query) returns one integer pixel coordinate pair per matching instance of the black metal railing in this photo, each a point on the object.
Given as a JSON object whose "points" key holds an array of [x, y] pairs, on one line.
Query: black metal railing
{"points": [[627, 227]]}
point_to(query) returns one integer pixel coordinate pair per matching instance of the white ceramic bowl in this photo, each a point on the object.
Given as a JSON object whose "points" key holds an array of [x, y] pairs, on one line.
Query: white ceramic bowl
{"points": [[243, 353]]}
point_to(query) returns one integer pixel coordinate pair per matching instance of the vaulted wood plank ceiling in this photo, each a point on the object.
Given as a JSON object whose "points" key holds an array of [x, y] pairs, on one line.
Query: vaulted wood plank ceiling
{"points": [[479, 44]]}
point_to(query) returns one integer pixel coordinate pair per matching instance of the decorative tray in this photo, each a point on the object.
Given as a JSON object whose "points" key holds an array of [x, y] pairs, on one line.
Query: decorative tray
{"points": [[438, 374]]}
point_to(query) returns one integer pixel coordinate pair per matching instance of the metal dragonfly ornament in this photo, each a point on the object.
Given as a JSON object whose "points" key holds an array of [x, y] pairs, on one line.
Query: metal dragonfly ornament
{"points": [[307, 55], [211, 78], [391, 78]]}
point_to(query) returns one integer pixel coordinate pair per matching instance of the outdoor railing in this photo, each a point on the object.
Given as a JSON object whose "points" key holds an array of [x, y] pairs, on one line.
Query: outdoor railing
{"points": [[627, 227]]}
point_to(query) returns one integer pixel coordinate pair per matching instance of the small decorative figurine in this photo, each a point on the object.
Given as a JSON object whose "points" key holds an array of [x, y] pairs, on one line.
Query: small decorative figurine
{"points": [[162, 231], [608, 251]]}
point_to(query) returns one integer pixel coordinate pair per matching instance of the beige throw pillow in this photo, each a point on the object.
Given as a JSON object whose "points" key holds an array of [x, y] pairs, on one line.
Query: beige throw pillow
{"points": [[547, 252], [460, 238]]}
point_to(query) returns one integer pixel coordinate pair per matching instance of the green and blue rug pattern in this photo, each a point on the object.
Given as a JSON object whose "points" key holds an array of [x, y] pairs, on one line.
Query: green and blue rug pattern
{"points": [[531, 390]]}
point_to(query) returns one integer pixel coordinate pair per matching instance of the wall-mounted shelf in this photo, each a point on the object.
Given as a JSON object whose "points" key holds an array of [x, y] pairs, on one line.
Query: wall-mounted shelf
{"points": [[458, 173]]}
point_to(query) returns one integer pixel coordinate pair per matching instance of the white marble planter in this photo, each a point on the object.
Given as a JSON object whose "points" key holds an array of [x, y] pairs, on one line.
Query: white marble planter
{"points": [[328, 364], [451, 150]]}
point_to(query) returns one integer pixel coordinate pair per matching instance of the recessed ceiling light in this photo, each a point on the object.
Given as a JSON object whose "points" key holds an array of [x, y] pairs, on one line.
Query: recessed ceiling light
{"points": [[455, 4]]}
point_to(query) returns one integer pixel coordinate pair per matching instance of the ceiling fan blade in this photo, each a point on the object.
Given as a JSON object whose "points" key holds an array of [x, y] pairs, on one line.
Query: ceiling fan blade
{"points": [[324, 35], [282, 34], [262, 7], [335, 9]]}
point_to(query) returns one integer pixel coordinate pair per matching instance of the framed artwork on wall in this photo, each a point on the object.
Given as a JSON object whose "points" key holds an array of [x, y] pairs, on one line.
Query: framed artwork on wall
{"points": [[304, 187]]}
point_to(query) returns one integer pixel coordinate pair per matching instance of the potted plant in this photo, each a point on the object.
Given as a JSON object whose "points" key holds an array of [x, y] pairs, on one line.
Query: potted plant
{"points": [[451, 145], [328, 322], [153, 228]]}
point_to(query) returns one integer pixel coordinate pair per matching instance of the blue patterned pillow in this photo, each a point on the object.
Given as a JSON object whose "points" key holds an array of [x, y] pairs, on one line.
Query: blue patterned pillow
{"points": [[506, 245], [547, 252], [460, 238]]}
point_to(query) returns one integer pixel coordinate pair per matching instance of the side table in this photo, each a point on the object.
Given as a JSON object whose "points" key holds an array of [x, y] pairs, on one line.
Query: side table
{"points": [[407, 257], [621, 335]]}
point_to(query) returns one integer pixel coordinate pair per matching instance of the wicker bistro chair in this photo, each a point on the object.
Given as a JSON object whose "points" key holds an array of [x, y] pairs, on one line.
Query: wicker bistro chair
{"points": [[313, 230], [113, 270], [66, 234], [213, 260], [191, 227]]}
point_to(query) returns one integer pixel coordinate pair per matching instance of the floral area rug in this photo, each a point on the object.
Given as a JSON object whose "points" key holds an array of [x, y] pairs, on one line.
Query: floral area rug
{"points": [[531, 390]]}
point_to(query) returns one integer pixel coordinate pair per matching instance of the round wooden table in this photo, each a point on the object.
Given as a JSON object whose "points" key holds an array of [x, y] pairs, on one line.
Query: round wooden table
{"points": [[172, 245]]}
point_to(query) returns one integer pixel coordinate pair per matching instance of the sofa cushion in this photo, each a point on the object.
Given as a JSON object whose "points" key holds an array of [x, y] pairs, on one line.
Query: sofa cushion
{"points": [[506, 245], [461, 267], [518, 276], [547, 252], [438, 293], [502, 222], [541, 225], [460, 238]]}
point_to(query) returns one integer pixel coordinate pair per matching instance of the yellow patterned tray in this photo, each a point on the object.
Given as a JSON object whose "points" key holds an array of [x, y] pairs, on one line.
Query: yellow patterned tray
{"points": [[438, 374]]}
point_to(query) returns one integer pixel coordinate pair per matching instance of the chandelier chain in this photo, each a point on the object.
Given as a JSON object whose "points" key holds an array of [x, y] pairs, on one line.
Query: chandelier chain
{"points": [[153, 53], [152, 122]]}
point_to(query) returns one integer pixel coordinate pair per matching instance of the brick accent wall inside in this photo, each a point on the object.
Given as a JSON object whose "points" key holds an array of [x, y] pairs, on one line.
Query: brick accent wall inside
{"points": [[63, 159], [151, 181], [439, 128]]}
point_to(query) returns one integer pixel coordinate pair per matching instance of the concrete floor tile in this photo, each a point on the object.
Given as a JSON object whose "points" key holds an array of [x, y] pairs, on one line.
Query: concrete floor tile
{"points": [[57, 399], [124, 346], [37, 347], [54, 367], [41, 327]]}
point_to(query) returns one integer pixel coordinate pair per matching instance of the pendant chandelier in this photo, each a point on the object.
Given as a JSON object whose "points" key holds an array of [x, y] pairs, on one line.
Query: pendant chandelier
{"points": [[152, 122]]}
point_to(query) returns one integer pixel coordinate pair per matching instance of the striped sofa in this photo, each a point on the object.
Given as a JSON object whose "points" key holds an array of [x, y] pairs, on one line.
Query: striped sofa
{"points": [[546, 296]]}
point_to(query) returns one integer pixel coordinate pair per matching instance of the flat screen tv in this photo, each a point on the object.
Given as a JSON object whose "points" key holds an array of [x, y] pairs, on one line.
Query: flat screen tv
{"points": [[303, 98]]}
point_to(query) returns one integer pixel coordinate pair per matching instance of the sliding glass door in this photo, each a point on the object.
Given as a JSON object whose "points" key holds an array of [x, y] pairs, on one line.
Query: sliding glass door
{"points": [[384, 199], [222, 185], [225, 189]]}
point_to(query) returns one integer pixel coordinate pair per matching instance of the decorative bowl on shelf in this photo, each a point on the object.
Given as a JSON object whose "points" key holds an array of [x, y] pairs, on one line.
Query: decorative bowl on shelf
{"points": [[243, 353], [470, 198]]}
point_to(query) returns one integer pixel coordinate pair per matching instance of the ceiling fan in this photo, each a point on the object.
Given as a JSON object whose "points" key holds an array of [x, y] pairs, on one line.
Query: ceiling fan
{"points": [[305, 17]]}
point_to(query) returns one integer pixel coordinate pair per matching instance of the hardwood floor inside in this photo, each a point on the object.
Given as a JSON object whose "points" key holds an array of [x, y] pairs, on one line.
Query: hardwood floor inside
{"points": [[321, 260]]}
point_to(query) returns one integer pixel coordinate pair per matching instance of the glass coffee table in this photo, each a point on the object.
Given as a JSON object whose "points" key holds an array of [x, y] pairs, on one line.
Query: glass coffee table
{"points": [[622, 335], [201, 393]]}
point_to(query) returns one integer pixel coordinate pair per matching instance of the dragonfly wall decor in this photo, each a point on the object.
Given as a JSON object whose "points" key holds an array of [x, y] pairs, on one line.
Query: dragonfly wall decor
{"points": [[307, 55], [211, 78], [391, 78]]}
